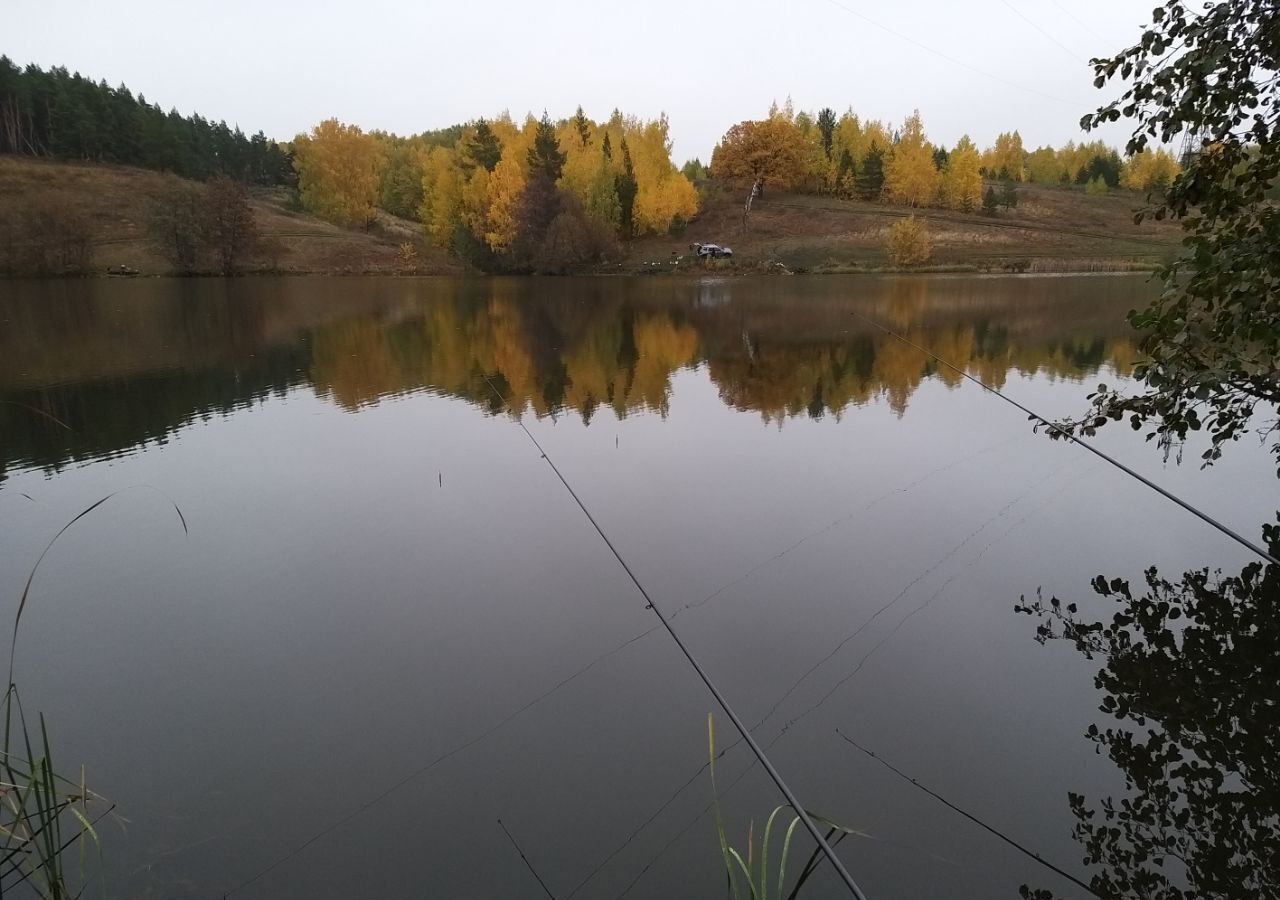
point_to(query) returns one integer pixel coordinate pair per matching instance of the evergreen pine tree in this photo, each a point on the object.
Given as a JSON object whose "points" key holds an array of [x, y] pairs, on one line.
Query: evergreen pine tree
{"points": [[483, 147], [990, 202], [583, 126], [57, 113], [1008, 195], [871, 176], [545, 156], [626, 186], [827, 128]]}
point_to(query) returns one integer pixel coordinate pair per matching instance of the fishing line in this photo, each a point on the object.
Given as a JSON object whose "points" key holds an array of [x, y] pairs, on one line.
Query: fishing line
{"points": [[1008, 840], [902, 593], [448, 754], [599, 867], [952, 59], [693, 604], [747, 575], [1054, 429], [866, 657], [528, 864], [768, 766], [1063, 47], [685, 830], [786, 727]]}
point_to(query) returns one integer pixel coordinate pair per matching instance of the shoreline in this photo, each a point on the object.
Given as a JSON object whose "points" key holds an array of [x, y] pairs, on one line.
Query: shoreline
{"points": [[686, 273]]}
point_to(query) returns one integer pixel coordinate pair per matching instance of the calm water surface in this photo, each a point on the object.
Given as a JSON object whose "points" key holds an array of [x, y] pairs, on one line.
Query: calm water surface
{"points": [[389, 625]]}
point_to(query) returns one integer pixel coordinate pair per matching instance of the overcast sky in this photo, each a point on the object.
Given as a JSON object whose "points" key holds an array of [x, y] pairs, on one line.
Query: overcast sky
{"points": [[976, 67]]}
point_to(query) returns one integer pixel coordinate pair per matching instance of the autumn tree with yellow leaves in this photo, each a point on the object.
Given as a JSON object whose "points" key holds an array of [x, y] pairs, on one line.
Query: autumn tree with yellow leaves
{"points": [[467, 184], [910, 175], [909, 243], [1150, 170], [545, 196], [338, 170], [1005, 158], [961, 182], [850, 157]]}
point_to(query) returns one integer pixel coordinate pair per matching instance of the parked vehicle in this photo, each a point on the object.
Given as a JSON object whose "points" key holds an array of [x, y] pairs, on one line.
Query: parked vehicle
{"points": [[712, 251]]}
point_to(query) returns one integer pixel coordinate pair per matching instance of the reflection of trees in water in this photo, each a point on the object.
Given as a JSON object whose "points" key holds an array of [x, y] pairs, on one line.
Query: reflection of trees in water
{"points": [[613, 353], [105, 418], [123, 374], [625, 360], [1191, 683]]}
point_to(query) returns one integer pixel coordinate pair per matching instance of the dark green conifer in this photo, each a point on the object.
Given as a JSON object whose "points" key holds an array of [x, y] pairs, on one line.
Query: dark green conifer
{"points": [[483, 147], [626, 185], [545, 156], [871, 175]]}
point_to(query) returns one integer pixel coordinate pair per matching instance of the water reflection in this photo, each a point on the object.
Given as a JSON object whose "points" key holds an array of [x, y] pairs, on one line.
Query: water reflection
{"points": [[373, 585], [125, 365], [1190, 686]]}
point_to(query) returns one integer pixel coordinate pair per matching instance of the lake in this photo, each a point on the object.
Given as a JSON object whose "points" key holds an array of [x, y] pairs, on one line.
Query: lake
{"points": [[387, 625]]}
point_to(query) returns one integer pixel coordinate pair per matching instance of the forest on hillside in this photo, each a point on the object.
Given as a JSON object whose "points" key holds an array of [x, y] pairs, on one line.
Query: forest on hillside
{"points": [[62, 115], [504, 194], [846, 156], [534, 196]]}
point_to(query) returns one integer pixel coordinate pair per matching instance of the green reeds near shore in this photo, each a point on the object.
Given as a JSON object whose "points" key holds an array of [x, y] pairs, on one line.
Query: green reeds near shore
{"points": [[751, 878], [43, 814]]}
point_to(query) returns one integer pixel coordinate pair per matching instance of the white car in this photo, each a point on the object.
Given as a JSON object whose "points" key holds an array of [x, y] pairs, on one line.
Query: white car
{"points": [[713, 251]]}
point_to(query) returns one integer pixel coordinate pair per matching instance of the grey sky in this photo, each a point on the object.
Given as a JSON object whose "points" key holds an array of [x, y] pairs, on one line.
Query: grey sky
{"points": [[281, 66]]}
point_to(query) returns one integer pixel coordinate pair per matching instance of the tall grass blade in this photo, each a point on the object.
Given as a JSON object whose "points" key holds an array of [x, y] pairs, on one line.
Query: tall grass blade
{"points": [[732, 886], [746, 871], [764, 852], [786, 852], [31, 577], [815, 860]]}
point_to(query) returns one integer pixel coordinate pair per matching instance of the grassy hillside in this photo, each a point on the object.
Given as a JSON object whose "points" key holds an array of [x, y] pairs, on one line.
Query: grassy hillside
{"points": [[1051, 229], [117, 201]]}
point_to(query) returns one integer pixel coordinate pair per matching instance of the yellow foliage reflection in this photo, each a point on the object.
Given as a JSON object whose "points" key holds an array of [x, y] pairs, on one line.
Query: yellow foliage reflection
{"points": [[598, 350]]}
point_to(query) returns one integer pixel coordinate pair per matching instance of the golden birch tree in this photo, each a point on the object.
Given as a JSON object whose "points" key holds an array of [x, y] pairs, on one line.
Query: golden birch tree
{"points": [[961, 186], [1005, 158], [910, 176], [338, 170]]}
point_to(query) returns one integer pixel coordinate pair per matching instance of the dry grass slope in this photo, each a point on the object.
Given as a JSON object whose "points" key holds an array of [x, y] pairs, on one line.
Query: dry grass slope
{"points": [[1051, 229], [116, 201]]}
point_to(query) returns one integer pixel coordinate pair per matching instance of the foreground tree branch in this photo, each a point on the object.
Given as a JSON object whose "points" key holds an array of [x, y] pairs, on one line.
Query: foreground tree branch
{"points": [[1211, 340]]}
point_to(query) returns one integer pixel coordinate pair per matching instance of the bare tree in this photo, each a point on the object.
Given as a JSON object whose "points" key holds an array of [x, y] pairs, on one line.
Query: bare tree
{"points": [[228, 223]]}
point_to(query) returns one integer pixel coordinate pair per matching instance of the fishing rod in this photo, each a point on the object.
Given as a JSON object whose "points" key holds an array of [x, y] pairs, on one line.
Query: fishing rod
{"points": [[971, 817], [768, 766], [716, 593], [546, 890], [1055, 429]]}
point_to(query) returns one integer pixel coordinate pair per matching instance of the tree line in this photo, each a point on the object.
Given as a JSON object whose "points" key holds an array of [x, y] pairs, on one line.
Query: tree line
{"points": [[507, 195], [59, 114], [847, 156], [531, 196]]}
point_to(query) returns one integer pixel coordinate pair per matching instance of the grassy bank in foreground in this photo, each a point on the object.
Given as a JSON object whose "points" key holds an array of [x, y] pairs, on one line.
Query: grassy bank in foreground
{"points": [[1050, 230]]}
